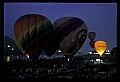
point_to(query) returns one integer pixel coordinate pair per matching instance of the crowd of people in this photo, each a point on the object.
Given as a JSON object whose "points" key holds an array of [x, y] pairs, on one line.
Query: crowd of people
{"points": [[61, 68]]}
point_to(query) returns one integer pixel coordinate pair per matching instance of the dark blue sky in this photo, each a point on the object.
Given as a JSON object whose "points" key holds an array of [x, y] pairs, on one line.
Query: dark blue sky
{"points": [[99, 17]]}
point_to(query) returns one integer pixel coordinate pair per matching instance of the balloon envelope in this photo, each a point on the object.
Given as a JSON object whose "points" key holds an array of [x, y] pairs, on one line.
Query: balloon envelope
{"points": [[32, 33], [91, 35], [71, 33], [100, 47]]}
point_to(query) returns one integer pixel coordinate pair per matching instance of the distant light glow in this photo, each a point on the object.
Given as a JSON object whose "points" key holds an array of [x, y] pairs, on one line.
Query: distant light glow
{"points": [[107, 50], [107, 53], [8, 58], [8, 46], [100, 53], [68, 59], [97, 60], [12, 48], [28, 56], [90, 52], [59, 50]]}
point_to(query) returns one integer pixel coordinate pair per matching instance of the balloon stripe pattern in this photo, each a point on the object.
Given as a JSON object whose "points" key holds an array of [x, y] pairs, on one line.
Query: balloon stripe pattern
{"points": [[32, 33]]}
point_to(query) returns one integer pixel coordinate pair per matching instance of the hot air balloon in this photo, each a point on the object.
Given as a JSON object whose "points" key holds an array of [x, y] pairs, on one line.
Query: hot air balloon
{"points": [[70, 34], [91, 35], [91, 43], [100, 46], [32, 33]]}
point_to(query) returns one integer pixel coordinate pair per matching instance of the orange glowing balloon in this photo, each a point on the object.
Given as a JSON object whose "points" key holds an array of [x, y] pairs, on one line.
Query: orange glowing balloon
{"points": [[100, 47]]}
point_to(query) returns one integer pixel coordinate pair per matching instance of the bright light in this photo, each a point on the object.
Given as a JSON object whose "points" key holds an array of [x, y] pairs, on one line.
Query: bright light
{"points": [[28, 56], [59, 51], [12, 48], [100, 53], [8, 46], [90, 52], [8, 58], [107, 50], [107, 53], [68, 59], [97, 60]]}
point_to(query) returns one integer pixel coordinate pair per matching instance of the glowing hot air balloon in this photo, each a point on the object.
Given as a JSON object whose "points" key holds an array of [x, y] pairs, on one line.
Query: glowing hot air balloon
{"points": [[100, 47], [32, 33]]}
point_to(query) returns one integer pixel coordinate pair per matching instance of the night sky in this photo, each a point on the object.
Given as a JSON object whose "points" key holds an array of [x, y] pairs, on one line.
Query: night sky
{"points": [[99, 17]]}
